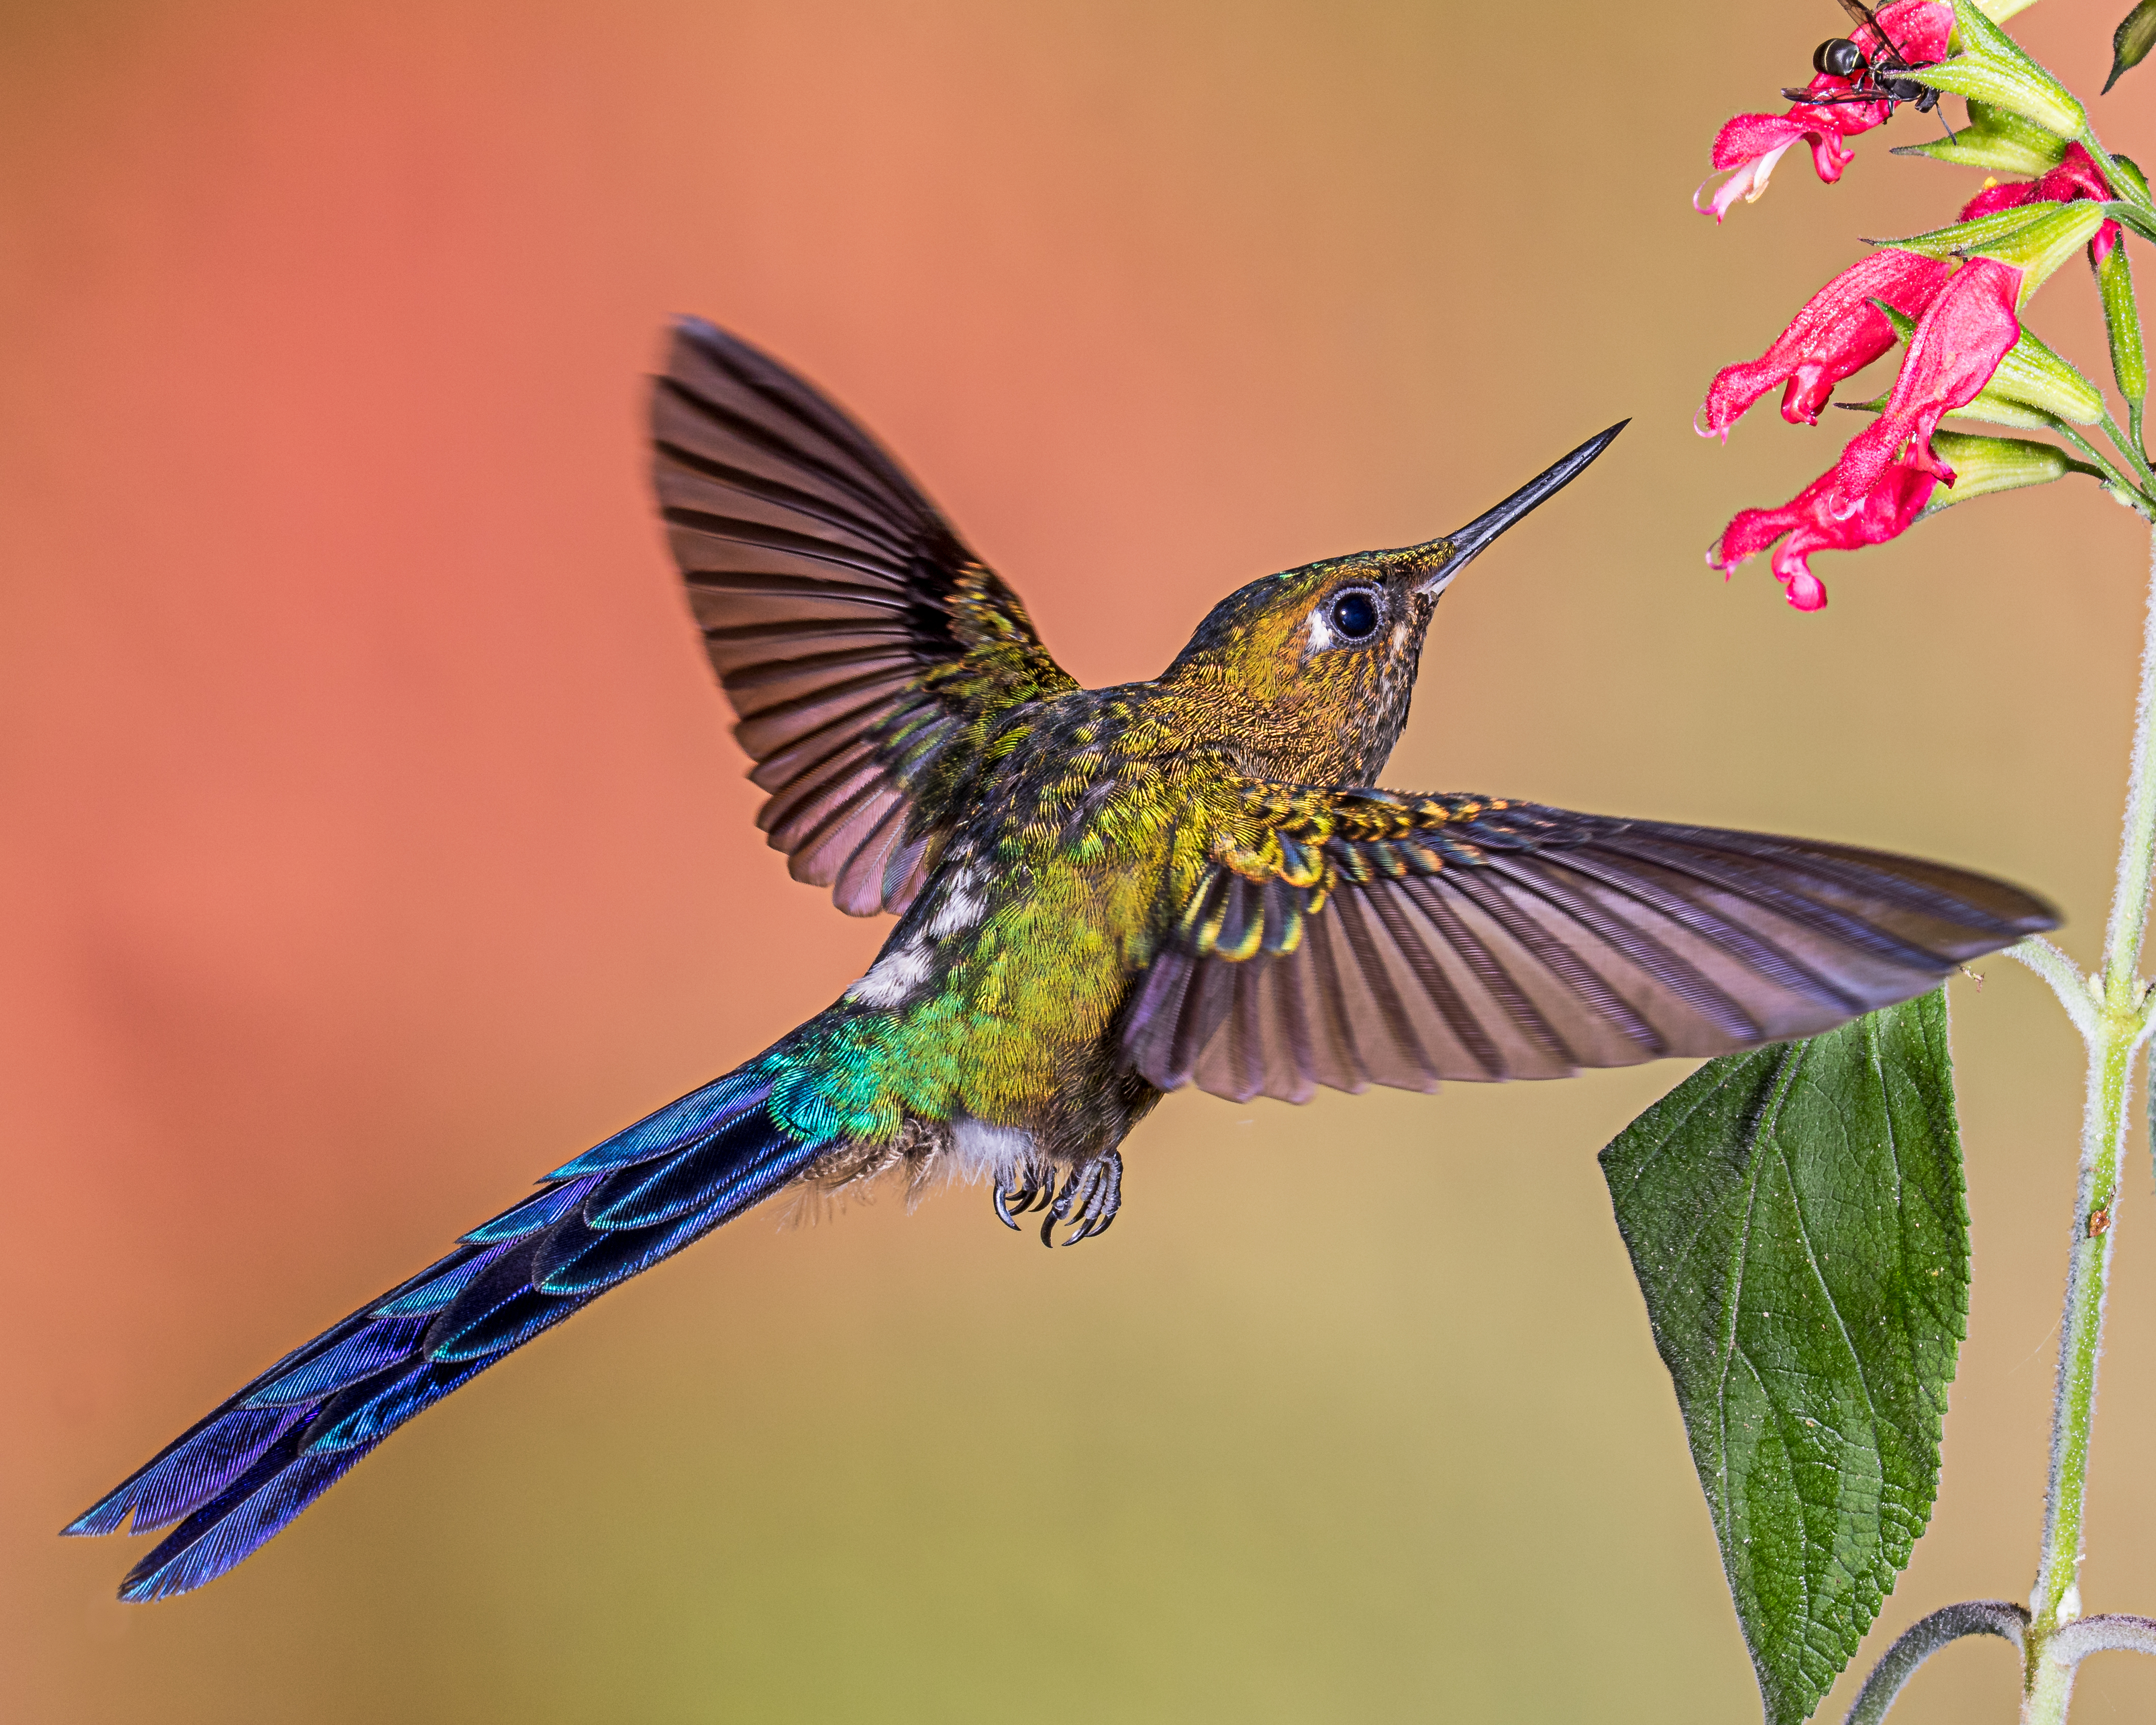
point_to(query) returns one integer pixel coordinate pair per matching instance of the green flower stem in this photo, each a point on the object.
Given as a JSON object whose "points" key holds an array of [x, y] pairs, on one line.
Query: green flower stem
{"points": [[2118, 1031], [2144, 503], [2130, 447]]}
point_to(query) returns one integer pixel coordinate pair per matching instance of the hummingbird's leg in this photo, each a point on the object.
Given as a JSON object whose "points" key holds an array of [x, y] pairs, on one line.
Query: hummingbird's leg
{"points": [[1090, 1197], [1112, 1201], [1059, 1211]]}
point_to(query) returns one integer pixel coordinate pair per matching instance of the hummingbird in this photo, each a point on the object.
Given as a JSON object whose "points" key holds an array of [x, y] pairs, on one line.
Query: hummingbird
{"points": [[1102, 894]]}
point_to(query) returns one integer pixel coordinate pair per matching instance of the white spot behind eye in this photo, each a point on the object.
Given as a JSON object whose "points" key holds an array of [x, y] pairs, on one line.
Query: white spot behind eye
{"points": [[1324, 636]]}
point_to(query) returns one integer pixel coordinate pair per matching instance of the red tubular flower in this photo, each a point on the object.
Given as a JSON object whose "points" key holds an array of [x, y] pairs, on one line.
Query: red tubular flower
{"points": [[1955, 348], [1811, 524], [1838, 332], [1749, 145], [2076, 176]]}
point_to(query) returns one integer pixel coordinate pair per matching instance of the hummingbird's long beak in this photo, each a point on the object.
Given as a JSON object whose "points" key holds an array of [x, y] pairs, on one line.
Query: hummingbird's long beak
{"points": [[1456, 549]]}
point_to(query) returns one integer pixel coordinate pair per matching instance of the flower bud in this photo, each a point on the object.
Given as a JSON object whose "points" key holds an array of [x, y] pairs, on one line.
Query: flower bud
{"points": [[1984, 464], [1997, 141], [2131, 170], [2130, 41], [2121, 323], [1992, 67]]}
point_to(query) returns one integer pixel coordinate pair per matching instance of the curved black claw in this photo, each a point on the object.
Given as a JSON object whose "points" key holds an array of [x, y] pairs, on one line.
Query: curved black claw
{"points": [[1028, 1186], [1090, 1199]]}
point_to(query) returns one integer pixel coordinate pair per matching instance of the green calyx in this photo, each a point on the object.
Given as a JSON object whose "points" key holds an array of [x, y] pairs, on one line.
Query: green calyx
{"points": [[1992, 67], [1984, 464], [1998, 141], [1973, 238], [2034, 376], [2033, 238]]}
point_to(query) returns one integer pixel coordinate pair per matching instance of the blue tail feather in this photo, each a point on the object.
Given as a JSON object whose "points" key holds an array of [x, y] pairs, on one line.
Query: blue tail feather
{"points": [[364, 1354], [440, 1286], [532, 1214], [372, 1416], [241, 1476]]}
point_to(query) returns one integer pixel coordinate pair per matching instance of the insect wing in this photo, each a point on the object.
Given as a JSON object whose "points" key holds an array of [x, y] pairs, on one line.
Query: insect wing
{"points": [[1834, 97], [1864, 18]]}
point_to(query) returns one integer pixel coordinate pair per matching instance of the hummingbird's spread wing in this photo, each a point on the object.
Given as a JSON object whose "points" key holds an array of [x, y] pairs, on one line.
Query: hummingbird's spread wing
{"points": [[1349, 937], [865, 649]]}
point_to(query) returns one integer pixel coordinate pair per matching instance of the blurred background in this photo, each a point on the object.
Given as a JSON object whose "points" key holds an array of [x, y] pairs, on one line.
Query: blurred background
{"points": [[372, 839]]}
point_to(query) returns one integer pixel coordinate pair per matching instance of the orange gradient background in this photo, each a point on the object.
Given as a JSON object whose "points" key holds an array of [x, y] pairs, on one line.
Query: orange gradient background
{"points": [[371, 840]]}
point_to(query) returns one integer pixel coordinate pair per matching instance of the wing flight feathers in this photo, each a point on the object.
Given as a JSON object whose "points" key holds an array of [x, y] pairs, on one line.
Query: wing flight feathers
{"points": [[1370, 937], [864, 648]]}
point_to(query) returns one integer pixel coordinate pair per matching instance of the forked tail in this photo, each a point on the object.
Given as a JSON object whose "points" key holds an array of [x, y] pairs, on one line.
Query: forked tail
{"points": [[241, 1475]]}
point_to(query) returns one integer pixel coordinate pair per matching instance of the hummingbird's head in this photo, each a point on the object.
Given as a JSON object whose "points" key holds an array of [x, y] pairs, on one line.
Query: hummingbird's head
{"points": [[1307, 674]]}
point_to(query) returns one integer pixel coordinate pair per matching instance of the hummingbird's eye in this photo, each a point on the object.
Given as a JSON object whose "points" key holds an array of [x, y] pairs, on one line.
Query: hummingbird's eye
{"points": [[1353, 615]]}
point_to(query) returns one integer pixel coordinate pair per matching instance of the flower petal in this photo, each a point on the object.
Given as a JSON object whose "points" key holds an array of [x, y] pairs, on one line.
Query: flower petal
{"points": [[1838, 332], [1957, 346], [1811, 525], [1748, 182]]}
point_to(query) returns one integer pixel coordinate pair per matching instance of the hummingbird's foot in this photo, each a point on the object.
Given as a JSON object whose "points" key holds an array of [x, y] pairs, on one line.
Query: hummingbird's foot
{"points": [[1030, 1184], [1089, 1200]]}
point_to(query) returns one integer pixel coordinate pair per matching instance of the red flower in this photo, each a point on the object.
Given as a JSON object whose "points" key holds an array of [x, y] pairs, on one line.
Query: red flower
{"points": [[1812, 526], [1955, 348], [2076, 176], [1751, 144], [1838, 332]]}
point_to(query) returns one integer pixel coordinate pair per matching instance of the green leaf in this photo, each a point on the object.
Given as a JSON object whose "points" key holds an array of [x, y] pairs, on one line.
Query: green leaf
{"points": [[1795, 1219], [2130, 42]]}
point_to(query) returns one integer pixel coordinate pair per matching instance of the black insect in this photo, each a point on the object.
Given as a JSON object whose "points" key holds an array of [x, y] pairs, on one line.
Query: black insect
{"points": [[1873, 77]]}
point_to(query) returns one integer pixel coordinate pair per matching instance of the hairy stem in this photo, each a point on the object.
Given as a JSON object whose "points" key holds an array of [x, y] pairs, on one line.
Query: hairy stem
{"points": [[2124, 187], [2055, 1600], [2130, 447], [2068, 983], [1922, 1639], [2110, 474]]}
